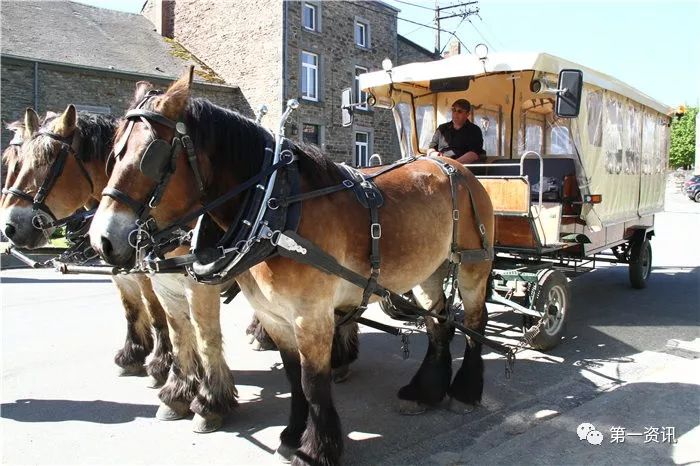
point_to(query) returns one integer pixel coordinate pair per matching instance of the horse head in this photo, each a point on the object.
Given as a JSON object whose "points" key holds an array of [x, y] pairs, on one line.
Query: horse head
{"points": [[162, 169], [52, 179]]}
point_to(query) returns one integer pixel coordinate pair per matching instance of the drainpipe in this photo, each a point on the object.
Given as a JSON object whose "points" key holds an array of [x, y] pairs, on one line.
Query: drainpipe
{"points": [[36, 86]]}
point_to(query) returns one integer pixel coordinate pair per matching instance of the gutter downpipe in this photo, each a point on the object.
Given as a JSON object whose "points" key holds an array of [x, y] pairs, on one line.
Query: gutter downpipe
{"points": [[284, 57], [36, 86]]}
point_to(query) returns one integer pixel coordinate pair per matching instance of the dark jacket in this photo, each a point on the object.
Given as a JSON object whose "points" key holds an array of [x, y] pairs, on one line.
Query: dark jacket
{"points": [[456, 142]]}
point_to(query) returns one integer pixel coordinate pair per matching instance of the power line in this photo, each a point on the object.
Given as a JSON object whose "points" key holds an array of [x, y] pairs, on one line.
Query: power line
{"points": [[441, 30], [414, 4], [491, 33], [482, 36]]}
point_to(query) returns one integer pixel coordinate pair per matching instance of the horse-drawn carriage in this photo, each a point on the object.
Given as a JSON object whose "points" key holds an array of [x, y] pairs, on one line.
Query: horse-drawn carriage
{"points": [[575, 170], [174, 158]]}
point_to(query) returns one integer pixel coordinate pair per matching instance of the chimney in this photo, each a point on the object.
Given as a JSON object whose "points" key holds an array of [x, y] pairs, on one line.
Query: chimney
{"points": [[454, 48], [162, 14]]}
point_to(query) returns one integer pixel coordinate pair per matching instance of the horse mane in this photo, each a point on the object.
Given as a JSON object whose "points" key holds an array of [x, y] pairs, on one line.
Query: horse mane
{"points": [[97, 135], [234, 142], [96, 138]]}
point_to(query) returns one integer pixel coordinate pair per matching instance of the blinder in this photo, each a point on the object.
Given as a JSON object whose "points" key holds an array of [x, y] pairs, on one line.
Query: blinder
{"points": [[156, 159]]}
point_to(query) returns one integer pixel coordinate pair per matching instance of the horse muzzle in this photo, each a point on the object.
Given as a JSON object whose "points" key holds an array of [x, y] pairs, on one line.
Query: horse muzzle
{"points": [[20, 226], [109, 237]]}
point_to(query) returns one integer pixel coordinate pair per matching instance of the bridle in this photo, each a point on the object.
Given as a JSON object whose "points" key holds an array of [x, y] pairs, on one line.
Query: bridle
{"points": [[159, 159], [70, 145]]}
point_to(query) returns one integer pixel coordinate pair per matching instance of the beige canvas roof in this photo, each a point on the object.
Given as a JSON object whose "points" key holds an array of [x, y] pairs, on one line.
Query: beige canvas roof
{"points": [[470, 65]]}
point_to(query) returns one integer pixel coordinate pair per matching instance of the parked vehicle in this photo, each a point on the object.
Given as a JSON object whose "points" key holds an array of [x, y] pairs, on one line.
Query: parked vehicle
{"points": [[693, 180], [693, 191], [575, 171]]}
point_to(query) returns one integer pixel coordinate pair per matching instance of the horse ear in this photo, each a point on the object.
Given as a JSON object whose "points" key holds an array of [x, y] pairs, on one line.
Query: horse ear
{"points": [[31, 123], [65, 124], [142, 87], [175, 99]]}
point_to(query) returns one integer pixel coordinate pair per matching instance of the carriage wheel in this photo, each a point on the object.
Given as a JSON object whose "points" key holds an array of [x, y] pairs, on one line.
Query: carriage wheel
{"points": [[551, 299], [640, 263]]}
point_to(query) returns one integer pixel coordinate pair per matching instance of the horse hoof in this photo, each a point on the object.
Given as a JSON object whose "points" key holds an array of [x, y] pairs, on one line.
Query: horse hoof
{"points": [[132, 370], [154, 383], [177, 410], [341, 374], [411, 408], [204, 425], [285, 454], [460, 407]]}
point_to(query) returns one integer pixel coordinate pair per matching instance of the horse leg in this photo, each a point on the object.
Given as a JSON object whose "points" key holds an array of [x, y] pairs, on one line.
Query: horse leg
{"points": [[217, 393], [162, 357], [139, 340], [468, 385], [260, 340], [290, 438], [429, 385], [183, 379], [322, 441], [346, 347]]}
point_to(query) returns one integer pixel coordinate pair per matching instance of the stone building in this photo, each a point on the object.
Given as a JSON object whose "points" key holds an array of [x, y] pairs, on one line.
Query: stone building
{"points": [[57, 53], [308, 50]]}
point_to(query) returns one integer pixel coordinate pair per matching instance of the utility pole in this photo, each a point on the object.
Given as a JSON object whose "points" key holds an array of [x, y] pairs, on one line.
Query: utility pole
{"points": [[463, 13]]}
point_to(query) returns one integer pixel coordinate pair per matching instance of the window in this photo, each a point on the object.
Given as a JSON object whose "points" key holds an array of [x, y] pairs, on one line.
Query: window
{"points": [[425, 123], [404, 127], [310, 17], [361, 96], [311, 134], [361, 149], [488, 120], [361, 34], [309, 76]]}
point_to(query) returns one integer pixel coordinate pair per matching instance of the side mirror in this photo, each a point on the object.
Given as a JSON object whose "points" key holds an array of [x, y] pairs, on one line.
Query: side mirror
{"points": [[346, 107], [569, 93]]}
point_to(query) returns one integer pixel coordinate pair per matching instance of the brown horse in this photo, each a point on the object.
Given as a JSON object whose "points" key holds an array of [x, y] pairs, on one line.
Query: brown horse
{"points": [[88, 137], [295, 302]]}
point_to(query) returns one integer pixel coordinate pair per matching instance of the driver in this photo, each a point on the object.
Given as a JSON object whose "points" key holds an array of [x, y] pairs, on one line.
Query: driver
{"points": [[459, 139]]}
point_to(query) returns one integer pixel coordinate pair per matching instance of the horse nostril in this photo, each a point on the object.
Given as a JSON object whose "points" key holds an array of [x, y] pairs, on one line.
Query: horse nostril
{"points": [[106, 247], [10, 230]]}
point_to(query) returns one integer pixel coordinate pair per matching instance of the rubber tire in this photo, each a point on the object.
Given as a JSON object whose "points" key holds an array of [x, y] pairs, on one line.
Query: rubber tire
{"points": [[697, 197], [640, 263], [548, 281]]}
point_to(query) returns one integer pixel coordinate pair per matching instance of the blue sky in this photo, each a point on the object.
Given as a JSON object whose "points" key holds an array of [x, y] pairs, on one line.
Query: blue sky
{"points": [[651, 45]]}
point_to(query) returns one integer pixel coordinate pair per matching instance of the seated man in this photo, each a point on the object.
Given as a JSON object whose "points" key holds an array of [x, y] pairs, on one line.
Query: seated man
{"points": [[459, 139]]}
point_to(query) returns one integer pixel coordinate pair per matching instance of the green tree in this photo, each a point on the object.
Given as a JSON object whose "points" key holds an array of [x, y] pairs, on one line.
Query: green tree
{"points": [[682, 153]]}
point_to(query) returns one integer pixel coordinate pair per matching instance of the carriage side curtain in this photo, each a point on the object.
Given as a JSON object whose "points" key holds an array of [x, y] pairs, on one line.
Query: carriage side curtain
{"points": [[624, 149]]}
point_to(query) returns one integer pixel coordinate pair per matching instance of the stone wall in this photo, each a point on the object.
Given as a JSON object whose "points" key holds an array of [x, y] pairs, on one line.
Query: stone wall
{"points": [[61, 85], [410, 52], [338, 55], [241, 41]]}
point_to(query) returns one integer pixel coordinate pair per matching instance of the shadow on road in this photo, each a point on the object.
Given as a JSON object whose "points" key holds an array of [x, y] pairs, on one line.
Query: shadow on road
{"points": [[98, 411]]}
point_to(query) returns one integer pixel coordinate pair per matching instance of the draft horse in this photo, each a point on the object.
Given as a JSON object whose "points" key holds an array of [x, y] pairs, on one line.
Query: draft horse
{"points": [[296, 302], [84, 142]]}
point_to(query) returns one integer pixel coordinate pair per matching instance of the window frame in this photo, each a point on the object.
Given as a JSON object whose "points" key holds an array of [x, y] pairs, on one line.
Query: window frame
{"points": [[319, 133], [359, 21], [356, 88], [315, 9], [368, 146], [305, 69]]}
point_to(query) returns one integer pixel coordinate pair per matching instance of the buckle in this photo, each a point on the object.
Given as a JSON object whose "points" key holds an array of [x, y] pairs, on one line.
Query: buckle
{"points": [[375, 230], [482, 229], [348, 183], [455, 215]]}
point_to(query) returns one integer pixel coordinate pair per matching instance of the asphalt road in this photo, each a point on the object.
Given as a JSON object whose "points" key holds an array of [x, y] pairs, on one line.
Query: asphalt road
{"points": [[629, 360]]}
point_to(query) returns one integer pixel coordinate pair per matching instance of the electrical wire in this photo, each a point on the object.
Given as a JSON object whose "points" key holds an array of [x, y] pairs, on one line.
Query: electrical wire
{"points": [[414, 4]]}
